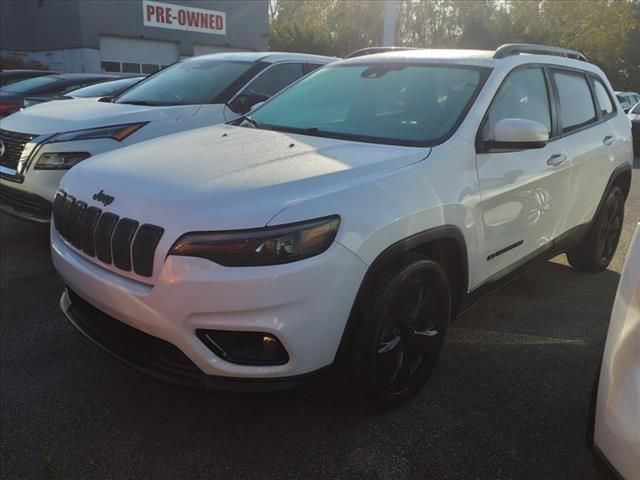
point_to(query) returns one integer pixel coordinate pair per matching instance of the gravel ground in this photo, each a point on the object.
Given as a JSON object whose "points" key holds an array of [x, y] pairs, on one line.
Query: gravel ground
{"points": [[509, 398]]}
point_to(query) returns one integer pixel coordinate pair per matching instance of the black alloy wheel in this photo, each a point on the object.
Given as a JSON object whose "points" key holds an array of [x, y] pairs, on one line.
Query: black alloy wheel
{"points": [[597, 249], [410, 336], [610, 229], [402, 330]]}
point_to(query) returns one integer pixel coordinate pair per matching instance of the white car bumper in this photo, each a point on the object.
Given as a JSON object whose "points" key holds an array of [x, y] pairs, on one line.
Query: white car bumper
{"points": [[617, 422], [304, 304]]}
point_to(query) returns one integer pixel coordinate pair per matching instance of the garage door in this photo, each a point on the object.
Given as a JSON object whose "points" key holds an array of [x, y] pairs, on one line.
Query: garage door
{"points": [[132, 55]]}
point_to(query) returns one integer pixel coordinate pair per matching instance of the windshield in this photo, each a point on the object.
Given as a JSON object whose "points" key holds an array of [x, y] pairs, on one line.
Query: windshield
{"points": [[186, 83], [404, 104], [25, 86], [636, 109], [104, 89]]}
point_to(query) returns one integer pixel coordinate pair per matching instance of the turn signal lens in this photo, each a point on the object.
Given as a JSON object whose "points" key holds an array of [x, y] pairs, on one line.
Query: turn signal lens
{"points": [[264, 246], [125, 132], [115, 132], [8, 108]]}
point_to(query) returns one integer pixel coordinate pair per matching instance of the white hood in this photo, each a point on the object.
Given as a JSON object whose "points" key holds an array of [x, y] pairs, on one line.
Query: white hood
{"points": [[226, 177], [82, 113]]}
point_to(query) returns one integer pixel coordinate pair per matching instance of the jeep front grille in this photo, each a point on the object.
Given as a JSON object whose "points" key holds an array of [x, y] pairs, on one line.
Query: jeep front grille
{"points": [[121, 242], [14, 144]]}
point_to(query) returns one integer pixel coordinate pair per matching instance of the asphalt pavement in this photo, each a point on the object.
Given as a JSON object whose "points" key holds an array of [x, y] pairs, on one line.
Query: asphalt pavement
{"points": [[509, 399]]}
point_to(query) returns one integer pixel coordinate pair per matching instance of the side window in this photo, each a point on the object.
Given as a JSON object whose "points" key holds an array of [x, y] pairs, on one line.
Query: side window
{"points": [[275, 79], [523, 94], [576, 103], [72, 86], [267, 84], [313, 66], [604, 100]]}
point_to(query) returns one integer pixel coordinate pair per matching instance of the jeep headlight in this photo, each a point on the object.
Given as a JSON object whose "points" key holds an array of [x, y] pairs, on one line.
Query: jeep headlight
{"points": [[262, 246]]}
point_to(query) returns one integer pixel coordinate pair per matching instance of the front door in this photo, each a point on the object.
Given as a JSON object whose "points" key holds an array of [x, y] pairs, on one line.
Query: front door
{"points": [[524, 192]]}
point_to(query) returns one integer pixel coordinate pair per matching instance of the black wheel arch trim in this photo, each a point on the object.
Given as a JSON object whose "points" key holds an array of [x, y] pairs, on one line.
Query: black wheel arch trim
{"points": [[452, 232], [411, 243], [617, 173]]}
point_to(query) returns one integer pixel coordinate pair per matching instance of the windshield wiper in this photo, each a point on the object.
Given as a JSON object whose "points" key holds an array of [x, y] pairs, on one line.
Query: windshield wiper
{"points": [[313, 131], [317, 132], [251, 121], [240, 122], [146, 103]]}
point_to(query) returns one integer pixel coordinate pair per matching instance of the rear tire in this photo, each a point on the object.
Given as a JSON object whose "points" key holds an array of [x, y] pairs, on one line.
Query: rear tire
{"points": [[596, 251], [401, 332]]}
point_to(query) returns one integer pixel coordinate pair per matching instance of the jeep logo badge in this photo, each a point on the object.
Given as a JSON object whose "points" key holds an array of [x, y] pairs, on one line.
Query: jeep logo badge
{"points": [[104, 198]]}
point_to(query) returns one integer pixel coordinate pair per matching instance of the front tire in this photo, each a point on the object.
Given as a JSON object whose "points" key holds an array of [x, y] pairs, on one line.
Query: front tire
{"points": [[402, 331], [597, 249]]}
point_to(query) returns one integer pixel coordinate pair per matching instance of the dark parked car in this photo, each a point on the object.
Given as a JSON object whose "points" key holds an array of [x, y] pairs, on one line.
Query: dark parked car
{"points": [[110, 88], [12, 96], [12, 76]]}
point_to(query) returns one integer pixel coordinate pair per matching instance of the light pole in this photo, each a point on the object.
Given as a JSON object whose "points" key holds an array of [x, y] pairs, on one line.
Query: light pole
{"points": [[390, 16]]}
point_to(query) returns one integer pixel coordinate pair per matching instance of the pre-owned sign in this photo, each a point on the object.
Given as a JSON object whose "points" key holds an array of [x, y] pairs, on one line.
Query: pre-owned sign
{"points": [[178, 17]]}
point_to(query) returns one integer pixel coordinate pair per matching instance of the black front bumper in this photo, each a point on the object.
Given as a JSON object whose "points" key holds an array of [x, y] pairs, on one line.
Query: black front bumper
{"points": [[153, 356], [25, 205]]}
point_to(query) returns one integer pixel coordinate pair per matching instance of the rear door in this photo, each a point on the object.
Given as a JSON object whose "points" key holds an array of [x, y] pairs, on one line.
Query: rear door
{"points": [[585, 106], [524, 191]]}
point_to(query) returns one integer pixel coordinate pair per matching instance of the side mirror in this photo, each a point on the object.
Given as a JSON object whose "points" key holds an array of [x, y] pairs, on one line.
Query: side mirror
{"points": [[245, 102], [255, 106], [519, 133]]}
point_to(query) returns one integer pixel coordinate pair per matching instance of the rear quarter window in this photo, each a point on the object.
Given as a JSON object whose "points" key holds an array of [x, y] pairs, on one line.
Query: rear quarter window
{"points": [[604, 99]]}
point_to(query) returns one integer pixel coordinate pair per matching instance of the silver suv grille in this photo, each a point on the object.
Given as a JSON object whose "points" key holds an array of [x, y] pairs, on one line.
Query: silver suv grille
{"points": [[13, 144]]}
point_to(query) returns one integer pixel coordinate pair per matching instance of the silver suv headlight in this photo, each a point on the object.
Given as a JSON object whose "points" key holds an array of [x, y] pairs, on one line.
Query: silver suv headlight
{"points": [[60, 161], [66, 160], [114, 132]]}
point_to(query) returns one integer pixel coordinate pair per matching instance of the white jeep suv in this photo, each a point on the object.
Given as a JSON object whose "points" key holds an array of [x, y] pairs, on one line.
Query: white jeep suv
{"points": [[347, 220], [40, 144]]}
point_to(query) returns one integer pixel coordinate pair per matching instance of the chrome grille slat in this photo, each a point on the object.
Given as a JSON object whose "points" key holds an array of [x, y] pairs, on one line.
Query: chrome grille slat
{"points": [[105, 236], [14, 143]]}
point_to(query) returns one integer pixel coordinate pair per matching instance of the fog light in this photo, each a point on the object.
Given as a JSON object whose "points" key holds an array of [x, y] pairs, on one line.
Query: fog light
{"points": [[270, 342], [244, 348]]}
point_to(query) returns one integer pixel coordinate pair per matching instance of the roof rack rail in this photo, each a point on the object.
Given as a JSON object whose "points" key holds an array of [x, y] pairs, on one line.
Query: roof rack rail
{"points": [[372, 50], [518, 48]]}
